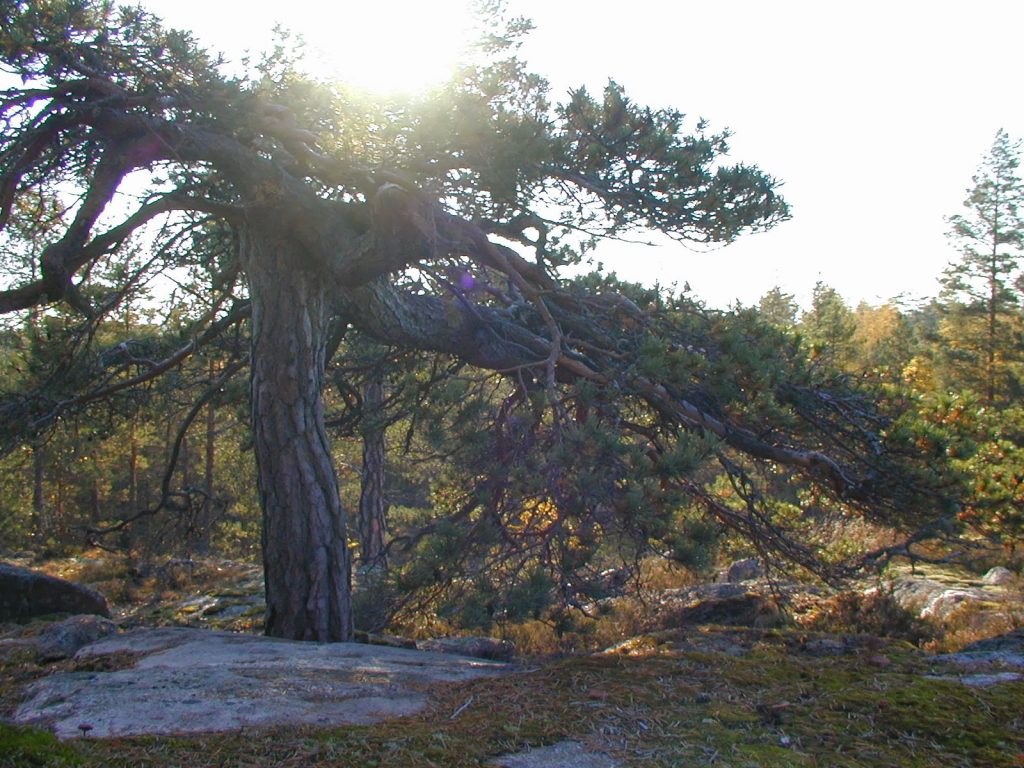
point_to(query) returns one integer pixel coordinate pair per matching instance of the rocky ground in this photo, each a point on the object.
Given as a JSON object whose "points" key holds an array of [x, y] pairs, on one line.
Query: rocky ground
{"points": [[176, 680], [724, 676]]}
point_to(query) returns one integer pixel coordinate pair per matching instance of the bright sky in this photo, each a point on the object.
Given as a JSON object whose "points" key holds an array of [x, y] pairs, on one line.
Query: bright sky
{"points": [[875, 114]]}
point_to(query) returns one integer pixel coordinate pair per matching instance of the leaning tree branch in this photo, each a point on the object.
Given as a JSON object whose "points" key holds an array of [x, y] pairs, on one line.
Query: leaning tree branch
{"points": [[492, 339], [25, 153]]}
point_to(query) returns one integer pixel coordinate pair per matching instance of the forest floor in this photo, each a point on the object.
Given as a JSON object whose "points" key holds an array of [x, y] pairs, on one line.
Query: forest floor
{"points": [[691, 695]]}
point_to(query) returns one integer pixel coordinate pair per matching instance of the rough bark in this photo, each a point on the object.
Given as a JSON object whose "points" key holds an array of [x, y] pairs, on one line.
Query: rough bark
{"points": [[305, 557], [372, 504]]}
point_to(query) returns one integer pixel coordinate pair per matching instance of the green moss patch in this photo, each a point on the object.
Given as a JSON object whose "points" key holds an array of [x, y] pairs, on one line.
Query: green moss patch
{"points": [[29, 748], [716, 696]]}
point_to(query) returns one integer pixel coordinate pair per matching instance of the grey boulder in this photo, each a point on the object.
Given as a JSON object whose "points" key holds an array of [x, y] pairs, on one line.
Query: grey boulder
{"points": [[998, 576], [63, 639], [25, 593]]}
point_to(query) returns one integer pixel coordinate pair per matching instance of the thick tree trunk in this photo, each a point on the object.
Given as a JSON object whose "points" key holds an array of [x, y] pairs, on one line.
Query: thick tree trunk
{"points": [[372, 504], [305, 555]]}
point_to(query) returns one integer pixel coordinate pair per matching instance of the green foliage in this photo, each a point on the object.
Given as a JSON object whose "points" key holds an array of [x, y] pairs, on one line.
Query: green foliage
{"points": [[523, 491], [778, 308], [985, 447], [600, 137], [694, 543], [991, 234], [964, 354], [93, 463], [34, 748], [829, 327], [618, 420]]}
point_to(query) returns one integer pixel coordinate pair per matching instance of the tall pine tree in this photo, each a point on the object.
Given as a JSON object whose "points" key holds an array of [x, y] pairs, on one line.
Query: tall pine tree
{"points": [[982, 289]]}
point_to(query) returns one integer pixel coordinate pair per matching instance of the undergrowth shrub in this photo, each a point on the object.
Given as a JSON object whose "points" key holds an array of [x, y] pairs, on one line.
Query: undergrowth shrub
{"points": [[572, 631], [972, 621], [875, 612]]}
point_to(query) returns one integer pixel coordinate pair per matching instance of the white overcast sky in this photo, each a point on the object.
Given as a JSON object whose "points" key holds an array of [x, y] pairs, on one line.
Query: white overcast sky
{"points": [[874, 114]]}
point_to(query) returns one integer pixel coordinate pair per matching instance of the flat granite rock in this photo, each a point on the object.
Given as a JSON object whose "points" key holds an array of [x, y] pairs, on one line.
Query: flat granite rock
{"points": [[193, 680]]}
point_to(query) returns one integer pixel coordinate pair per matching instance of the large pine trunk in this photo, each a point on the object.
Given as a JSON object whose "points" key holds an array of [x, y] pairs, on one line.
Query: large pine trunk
{"points": [[305, 557]]}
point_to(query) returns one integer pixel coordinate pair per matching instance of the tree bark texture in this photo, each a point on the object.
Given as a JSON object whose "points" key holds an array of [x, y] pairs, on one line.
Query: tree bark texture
{"points": [[305, 556], [372, 504]]}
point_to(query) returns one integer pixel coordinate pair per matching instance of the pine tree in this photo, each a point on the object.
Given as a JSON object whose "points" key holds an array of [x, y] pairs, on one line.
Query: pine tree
{"points": [[829, 326], [320, 215], [982, 289], [778, 308]]}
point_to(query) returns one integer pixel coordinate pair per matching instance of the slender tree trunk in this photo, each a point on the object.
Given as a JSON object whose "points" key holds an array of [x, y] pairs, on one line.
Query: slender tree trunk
{"points": [[40, 523], [95, 496], [133, 441], [133, 467], [305, 554], [127, 534], [206, 517], [993, 297], [185, 462], [372, 504], [60, 527]]}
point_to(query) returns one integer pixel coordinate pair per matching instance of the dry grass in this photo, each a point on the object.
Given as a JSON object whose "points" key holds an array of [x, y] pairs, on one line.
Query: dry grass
{"points": [[710, 696], [723, 697], [971, 621]]}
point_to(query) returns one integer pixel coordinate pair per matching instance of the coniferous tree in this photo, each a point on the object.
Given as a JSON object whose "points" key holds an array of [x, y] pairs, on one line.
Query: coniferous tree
{"points": [[778, 308], [318, 213], [982, 289], [829, 326]]}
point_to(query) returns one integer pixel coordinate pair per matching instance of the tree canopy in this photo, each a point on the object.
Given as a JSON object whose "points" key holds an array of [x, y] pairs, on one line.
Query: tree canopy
{"points": [[305, 218]]}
